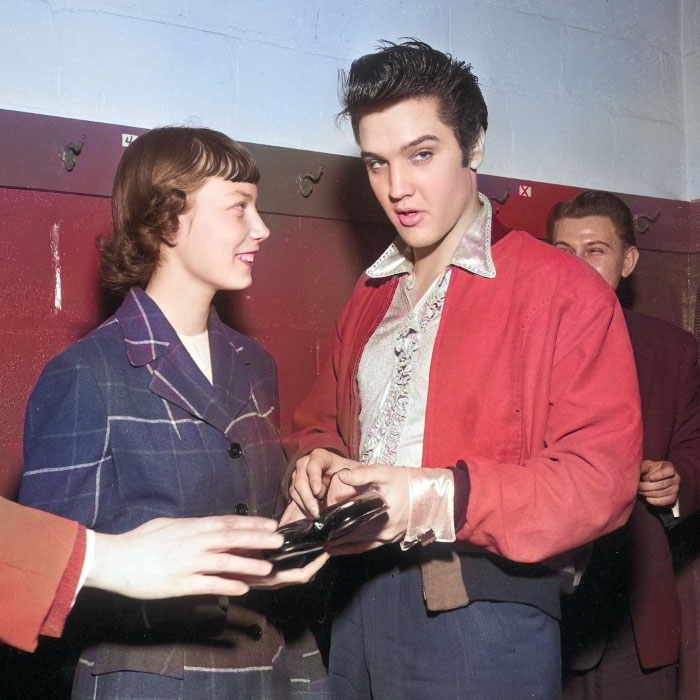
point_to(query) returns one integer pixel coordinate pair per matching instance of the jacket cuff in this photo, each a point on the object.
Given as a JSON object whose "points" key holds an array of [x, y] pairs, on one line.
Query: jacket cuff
{"points": [[67, 587], [460, 472]]}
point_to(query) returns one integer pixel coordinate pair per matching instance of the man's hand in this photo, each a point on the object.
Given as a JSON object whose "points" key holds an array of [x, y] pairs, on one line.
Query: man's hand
{"points": [[170, 557], [392, 484], [659, 483], [312, 476]]}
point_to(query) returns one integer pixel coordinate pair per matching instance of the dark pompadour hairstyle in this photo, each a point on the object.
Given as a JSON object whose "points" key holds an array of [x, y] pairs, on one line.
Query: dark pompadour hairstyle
{"points": [[596, 203], [398, 72], [156, 175]]}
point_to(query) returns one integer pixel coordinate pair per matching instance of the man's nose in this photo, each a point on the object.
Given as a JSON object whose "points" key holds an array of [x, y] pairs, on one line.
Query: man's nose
{"points": [[400, 184]]}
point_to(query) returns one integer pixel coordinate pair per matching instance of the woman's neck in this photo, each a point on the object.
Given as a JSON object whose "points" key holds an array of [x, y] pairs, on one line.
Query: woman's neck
{"points": [[185, 306]]}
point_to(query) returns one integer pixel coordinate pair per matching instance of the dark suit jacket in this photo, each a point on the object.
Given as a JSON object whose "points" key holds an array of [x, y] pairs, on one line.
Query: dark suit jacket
{"points": [[631, 569], [123, 427]]}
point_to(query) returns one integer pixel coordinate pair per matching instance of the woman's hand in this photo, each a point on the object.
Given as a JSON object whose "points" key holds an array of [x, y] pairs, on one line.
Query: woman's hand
{"points": [[170, 557]]}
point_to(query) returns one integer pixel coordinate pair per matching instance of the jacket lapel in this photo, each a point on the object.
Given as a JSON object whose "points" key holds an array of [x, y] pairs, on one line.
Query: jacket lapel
{"points": [[151, 341], [231, 366]]}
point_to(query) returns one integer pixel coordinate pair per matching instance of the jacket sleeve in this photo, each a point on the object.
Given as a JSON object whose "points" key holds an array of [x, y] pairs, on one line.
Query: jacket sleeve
{"points": [[315, 422], [582, 483], [684, 450], [66, 443], [40, 563]]}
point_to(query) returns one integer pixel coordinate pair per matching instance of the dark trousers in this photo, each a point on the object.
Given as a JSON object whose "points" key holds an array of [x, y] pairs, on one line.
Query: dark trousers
{"points": [[618, 675], [385, 646]]}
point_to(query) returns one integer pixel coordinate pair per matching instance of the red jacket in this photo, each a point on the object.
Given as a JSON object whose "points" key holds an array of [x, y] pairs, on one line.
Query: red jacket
{"points": [[532, 385]]}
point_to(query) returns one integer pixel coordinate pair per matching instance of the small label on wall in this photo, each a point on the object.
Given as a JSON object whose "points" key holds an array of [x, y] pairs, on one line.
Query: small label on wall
{"points": [[525, 191], [128, 138]]}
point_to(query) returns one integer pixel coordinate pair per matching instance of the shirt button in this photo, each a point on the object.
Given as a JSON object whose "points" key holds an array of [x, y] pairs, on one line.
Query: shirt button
{"points": [[255, 632], [235, 450], [241, 509]]}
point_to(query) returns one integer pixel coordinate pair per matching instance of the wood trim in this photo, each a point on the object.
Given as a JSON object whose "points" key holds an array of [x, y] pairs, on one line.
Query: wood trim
{"points": [[29, 159]]}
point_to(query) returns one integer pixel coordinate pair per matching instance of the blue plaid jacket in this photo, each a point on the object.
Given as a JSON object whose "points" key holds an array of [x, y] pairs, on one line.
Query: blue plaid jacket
{"points": [[123, 427]]}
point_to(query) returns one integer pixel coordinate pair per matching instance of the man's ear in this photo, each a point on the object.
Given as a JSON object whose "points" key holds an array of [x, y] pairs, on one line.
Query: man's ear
{"points": [[477, 152], [630, 261]]}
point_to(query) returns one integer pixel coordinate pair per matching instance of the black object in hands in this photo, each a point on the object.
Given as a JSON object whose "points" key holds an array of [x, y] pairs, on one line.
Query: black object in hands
{"points": [[307, 538]]}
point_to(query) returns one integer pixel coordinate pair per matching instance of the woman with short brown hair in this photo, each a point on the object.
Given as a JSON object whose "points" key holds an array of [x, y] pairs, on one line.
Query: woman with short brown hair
{"points": [[165, 411]]}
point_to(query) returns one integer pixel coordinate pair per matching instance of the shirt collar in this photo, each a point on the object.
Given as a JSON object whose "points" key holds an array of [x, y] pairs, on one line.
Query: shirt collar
{"points": [[473, 253]]}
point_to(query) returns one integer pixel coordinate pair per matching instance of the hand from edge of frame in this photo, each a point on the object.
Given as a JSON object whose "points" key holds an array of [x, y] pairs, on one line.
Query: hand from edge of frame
{"points": [[169, 557]]}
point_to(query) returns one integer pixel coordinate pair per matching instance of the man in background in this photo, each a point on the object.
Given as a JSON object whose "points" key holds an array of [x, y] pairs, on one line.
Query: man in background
{"points": [[621, 630]]}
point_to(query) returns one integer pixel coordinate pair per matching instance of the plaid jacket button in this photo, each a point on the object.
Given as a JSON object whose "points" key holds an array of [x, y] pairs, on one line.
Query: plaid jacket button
{"points": [[241, 509], [255, 632], [235, 450]]}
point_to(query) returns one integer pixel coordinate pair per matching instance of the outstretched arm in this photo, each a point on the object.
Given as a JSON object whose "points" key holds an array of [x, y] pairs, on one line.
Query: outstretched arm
{"points": [[40, 563]]}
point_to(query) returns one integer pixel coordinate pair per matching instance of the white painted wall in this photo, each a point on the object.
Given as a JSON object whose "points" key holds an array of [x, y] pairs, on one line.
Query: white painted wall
{"points": [[691, 84], [596, 93]]}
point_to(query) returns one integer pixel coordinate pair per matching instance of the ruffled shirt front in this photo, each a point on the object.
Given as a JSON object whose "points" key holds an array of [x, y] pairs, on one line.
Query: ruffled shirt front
{"points": [[395, 366]]}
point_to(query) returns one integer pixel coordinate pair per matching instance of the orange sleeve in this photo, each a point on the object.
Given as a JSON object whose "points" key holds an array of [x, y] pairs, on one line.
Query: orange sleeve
{"points": [[39, 556]]}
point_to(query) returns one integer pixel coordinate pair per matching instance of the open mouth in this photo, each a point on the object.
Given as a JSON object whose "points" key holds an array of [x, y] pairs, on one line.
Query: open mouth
{"points": [[247, 258], [409, 217]]}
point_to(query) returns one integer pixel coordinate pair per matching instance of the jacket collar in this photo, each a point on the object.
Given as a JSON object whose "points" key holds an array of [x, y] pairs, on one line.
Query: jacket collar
{"points": [[151, 341], [473, 253]]}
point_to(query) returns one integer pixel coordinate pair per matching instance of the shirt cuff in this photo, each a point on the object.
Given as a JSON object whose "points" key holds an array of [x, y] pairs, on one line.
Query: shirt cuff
{"points": [[676, 509], [87, 563], [67, 588], [431, 507]]}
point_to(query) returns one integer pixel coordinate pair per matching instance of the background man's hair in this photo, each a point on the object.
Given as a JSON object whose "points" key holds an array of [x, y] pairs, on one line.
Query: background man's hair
{"points": [[596, 203], [156, 175], [412, 69]]}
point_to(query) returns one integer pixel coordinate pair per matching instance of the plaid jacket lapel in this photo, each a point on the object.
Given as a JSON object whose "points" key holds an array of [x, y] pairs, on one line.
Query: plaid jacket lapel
{"points": [[151, 341], [231, 369]]}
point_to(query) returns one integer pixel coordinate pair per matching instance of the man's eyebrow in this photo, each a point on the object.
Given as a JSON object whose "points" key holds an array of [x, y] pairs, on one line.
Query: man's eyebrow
{"points": [[406, 147], [418, 141], [607, 245]]}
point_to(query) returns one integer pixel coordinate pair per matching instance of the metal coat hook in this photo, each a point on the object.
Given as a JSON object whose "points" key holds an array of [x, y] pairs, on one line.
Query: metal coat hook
{"points": [[647, 221], [305, 183], [503, 198], [70, 152]]}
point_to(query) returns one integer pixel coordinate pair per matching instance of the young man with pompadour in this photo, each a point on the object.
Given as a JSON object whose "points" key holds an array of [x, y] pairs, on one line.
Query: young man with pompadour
{"points": [[465, 384]]}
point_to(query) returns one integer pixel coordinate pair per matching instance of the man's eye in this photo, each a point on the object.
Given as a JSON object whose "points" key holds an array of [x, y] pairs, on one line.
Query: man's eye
{"points": [[564, 249], [595, 251], [422, 155], [374, 164]]}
